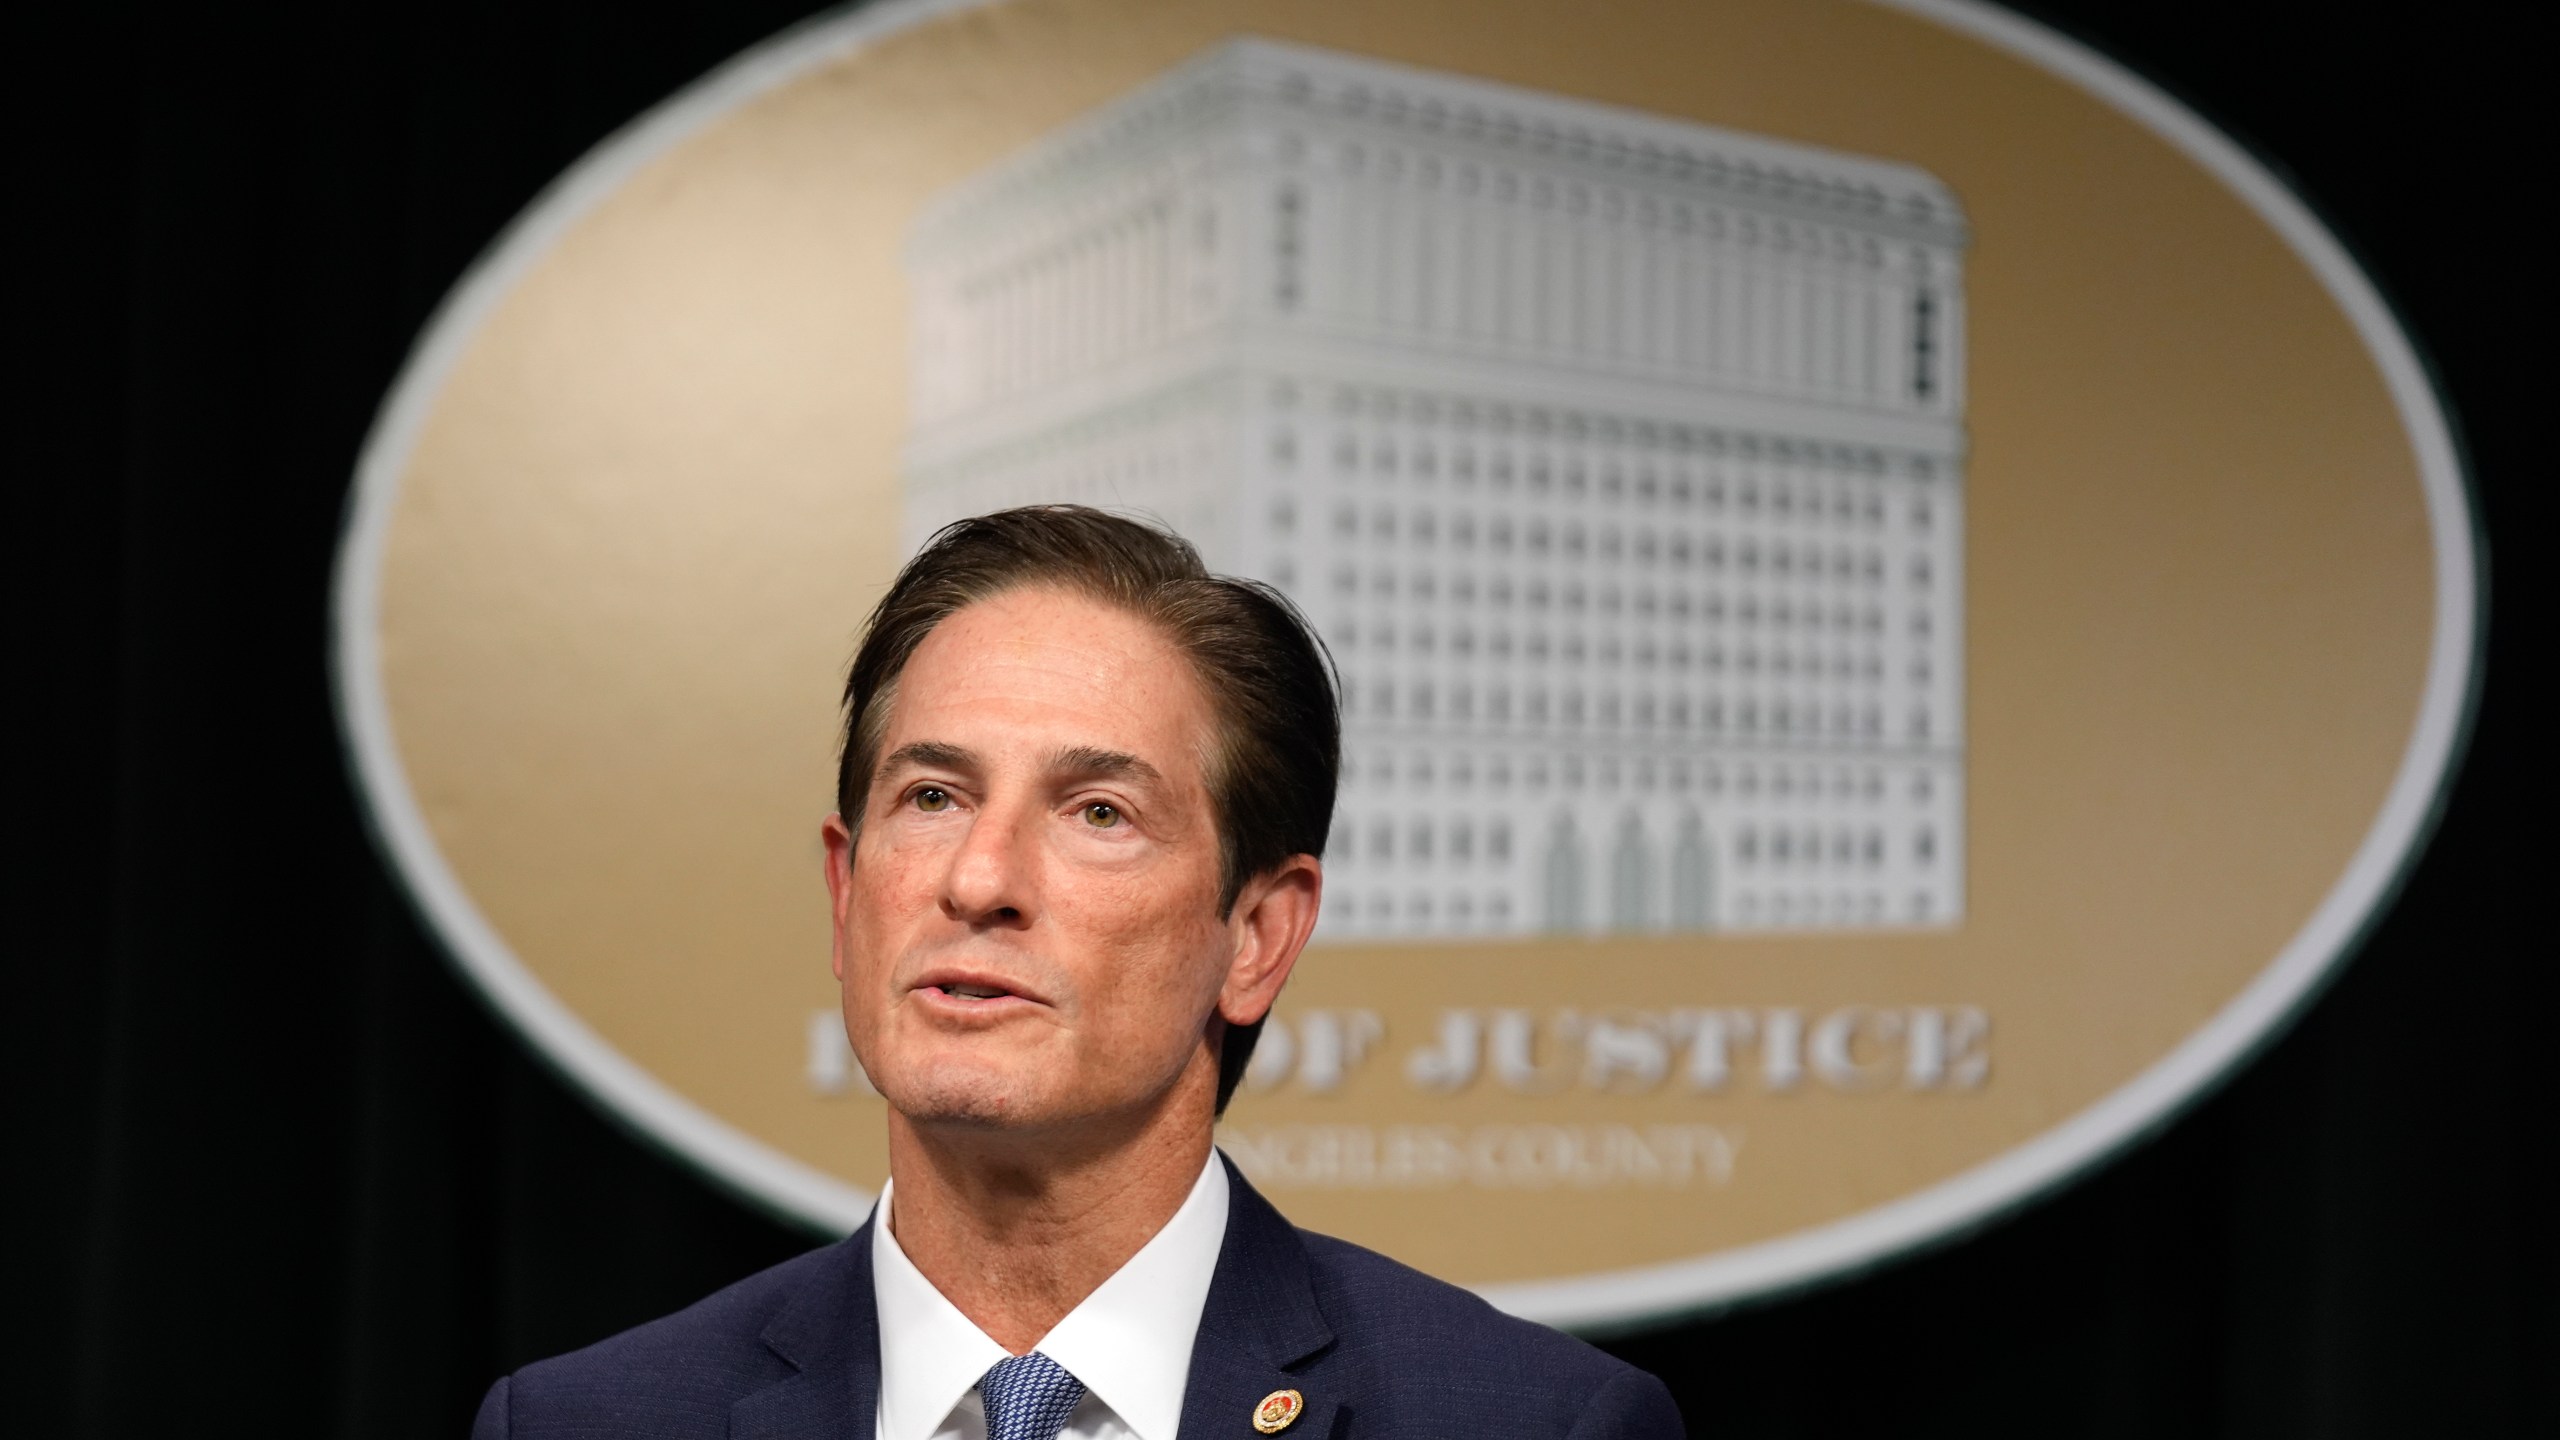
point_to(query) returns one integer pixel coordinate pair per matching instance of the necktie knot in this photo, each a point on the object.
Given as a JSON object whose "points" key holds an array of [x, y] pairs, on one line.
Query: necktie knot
{"points": [[1028, 1397]]}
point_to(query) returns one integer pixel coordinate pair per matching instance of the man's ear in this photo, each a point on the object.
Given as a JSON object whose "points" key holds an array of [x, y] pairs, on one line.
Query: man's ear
{"points": [[839, 862], [1273, 916]]}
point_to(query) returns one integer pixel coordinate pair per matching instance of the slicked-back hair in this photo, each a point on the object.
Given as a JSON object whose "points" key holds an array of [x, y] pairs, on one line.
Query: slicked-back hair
{"points": [[1277, 756]]}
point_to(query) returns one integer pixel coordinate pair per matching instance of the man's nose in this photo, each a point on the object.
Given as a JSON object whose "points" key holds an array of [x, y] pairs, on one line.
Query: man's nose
{"points": [[991, 877]]}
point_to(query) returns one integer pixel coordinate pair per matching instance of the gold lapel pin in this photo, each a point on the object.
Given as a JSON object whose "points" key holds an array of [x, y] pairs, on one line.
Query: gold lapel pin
{"points": [[1278, 1411]]}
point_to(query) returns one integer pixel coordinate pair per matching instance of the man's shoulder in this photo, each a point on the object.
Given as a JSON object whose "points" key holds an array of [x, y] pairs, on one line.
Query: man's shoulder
{"points": [[1375, 1301], [1442, 1345], [676, 1375]]}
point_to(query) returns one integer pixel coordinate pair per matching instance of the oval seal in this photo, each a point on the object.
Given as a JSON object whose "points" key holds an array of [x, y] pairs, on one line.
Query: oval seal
{"points": [[1901, 602]]}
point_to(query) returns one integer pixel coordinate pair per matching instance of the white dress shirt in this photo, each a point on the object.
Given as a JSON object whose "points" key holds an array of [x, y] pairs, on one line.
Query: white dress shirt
{"points": [[1129, 1341]]}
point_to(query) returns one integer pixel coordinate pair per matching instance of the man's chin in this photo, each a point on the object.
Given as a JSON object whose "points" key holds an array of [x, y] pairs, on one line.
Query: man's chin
{"points": [[969, 1112], [961, 1097]]}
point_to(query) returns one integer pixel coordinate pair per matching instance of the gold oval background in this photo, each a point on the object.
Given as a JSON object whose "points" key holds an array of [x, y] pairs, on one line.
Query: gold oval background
{"points": [[657, 491]]}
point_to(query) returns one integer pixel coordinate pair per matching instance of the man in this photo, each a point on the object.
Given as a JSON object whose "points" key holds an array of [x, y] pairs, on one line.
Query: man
{"points": [[1083, 793]]}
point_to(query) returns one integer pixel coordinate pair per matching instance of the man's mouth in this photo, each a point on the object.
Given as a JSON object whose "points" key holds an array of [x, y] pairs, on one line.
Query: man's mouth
{"points": [[970, 990]]}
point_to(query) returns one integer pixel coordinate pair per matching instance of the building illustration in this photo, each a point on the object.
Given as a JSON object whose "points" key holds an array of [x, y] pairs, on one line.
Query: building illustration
{"points": [[1618, 460]]}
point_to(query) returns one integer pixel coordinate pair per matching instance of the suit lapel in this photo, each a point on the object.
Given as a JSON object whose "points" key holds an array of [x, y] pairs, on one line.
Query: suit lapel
{"points": [[1261, 1320], [1229, 1383], [831, 1332]]}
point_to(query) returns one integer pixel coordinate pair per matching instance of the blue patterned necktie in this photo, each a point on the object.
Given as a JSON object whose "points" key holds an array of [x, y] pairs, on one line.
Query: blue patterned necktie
{"points": [[1028, 1397]]}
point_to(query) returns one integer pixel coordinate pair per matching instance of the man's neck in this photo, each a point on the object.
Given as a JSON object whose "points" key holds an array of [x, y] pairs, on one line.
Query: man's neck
{"points": [[1016, 1230]]}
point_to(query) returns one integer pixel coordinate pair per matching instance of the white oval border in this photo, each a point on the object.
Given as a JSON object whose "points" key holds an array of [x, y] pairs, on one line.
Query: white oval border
{"points": [[1613, 1299]]}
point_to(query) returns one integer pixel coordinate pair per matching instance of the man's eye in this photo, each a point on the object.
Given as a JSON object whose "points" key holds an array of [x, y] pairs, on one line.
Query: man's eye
{"points": [[932, 798], [1101, 816]]}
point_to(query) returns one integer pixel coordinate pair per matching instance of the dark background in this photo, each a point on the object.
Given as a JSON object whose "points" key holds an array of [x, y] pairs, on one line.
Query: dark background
{"points": [[272, 1167]]}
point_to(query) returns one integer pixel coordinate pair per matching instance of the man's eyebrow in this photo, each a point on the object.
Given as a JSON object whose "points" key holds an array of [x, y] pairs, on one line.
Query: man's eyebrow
{"points": [[927, 755], [1093, 762]]}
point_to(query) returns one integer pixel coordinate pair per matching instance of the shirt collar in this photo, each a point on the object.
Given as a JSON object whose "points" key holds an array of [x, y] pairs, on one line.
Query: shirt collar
{"points": [[1129, 1341], [930, 1354]]}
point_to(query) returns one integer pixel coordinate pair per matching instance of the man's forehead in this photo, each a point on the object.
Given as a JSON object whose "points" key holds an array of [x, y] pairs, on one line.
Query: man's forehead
{"points": [[1067, 642], [1076, 679]]}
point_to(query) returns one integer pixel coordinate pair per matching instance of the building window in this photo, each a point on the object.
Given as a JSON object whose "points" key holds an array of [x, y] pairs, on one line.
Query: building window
{"points": [[1630, 867], [1564, 877]]}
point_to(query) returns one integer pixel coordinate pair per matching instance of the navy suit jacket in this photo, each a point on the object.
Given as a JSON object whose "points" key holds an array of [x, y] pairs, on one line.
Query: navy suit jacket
{"points": [[1377, 1349]]}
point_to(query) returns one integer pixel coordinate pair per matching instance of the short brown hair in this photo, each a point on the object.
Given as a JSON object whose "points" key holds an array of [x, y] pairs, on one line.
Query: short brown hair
{"points": [[1270, 682]]}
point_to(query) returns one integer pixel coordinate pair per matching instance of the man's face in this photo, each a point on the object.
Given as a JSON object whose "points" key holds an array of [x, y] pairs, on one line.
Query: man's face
{"points": [[1027, 927]]}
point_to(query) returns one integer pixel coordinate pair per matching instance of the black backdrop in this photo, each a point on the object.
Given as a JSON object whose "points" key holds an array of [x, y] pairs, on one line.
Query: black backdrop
{"points": [[273, 1168]]}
